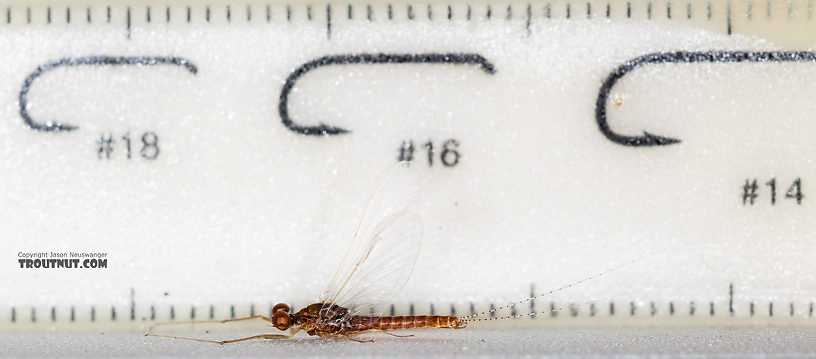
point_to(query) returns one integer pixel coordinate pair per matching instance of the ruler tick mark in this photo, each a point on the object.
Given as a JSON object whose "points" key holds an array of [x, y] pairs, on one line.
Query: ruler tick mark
{"points": [[711, 309], [430, 13], [450, 13], [532, 294], [368, 12], [147, 14], [93, 313], [490, 12], [192, 313], [649, 11], [113, 314], [529, 18], [68, 15], [167, 14], [14, 314], [48, 15], [268, 13], [731, 299], [53, 314], [728, 17], [33, 315], [611, 309], [691, 308], [189, 14], [509, 12], [468, 12], [410, 12], [73, 314], [607, 10], [28, 15], [128, 22], [708, 11], [229, 13], [172, 313], [207, 13], [350, 12], [249, 13], [132, 304], [688, 11], [88, 14], [288, 13], [309, 13], [568, 10], [749, 11], [668, 10], [631, 308], [328, 22], [628, 10], [212, 311]]}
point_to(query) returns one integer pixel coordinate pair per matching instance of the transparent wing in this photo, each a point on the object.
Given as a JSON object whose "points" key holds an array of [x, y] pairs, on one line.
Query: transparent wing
{"points": [[384, 249]]}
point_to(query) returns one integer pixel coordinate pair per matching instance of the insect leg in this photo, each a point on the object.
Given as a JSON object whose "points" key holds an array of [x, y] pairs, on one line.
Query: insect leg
{"points": [[397, 335], [263, 317], [356, 340], [261, 336]]}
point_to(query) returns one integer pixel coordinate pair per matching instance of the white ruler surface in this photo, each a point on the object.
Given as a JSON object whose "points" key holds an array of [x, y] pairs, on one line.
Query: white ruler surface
{"points": [[208, 161]]}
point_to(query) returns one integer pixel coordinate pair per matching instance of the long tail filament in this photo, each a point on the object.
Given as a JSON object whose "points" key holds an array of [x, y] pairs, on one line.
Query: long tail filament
{"points": [[559, 289]]}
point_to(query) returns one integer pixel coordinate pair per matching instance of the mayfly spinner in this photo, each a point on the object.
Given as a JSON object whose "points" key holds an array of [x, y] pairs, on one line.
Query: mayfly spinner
{"points": [[376, 266]]}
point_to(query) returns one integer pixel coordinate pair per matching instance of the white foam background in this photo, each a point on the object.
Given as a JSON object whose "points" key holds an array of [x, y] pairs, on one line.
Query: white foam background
{"points": [[239, 210]]}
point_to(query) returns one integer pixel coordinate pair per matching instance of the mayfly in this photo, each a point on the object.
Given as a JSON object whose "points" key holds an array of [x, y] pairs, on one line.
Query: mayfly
{"points": [[375, 267]]}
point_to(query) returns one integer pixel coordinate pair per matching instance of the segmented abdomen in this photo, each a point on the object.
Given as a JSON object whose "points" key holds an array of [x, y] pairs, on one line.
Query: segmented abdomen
{"points": [[407, 322]]}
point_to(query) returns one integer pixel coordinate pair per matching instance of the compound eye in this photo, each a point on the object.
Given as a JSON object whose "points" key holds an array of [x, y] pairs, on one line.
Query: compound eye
{"points": [[281, 320], [280, 307]]}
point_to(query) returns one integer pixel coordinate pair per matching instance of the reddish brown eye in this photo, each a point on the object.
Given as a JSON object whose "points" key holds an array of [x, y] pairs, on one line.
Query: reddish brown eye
{"points": [[280, 307], [281, 320]]}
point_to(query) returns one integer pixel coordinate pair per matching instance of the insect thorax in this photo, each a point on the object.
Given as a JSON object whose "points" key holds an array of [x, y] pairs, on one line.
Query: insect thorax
{"points": [[334, 319]]}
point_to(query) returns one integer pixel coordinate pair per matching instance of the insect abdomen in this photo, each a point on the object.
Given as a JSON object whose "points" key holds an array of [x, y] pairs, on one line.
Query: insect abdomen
{"points": [[406, 322]]}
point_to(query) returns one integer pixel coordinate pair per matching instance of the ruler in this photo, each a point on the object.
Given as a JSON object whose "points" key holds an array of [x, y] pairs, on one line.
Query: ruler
{"points": [[198, 161]]}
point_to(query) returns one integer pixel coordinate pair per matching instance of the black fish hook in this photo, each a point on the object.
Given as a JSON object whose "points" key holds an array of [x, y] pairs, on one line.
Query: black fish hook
{"points": [[323, 129], [679, 57], [55, 126]]}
